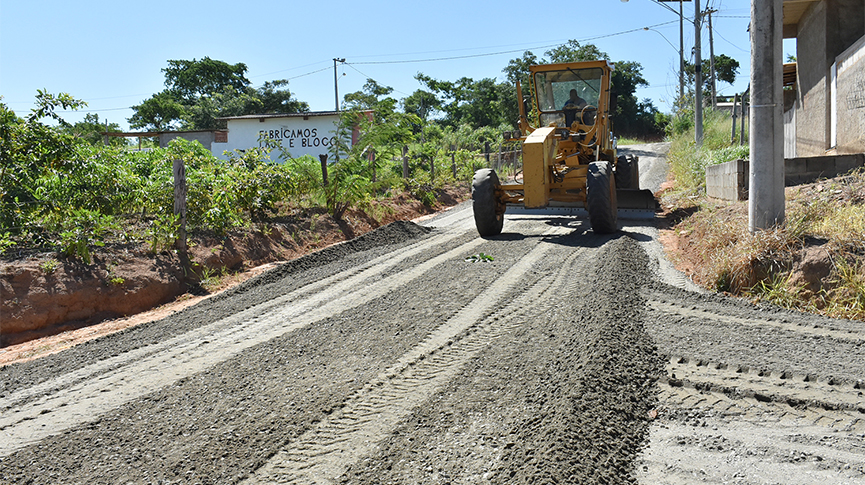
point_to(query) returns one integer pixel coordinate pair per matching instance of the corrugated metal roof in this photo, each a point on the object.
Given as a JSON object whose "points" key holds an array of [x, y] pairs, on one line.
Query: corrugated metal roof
{"points": [[281, 115]]}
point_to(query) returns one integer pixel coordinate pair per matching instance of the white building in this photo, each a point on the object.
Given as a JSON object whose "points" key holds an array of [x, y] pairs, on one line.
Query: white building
{"points": [[300, 133]]}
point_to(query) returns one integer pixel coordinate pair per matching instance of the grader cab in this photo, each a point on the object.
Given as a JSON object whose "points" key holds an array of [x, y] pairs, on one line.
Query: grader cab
{"points": [[569, 153]]}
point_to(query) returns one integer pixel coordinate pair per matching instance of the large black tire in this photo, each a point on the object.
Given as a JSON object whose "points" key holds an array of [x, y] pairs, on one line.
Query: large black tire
{"points": [[623, 172], [601, 198], [484, 203]]}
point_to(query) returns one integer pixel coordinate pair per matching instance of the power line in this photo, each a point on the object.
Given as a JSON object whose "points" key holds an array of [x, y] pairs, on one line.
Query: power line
{"points": [[470, 56]]}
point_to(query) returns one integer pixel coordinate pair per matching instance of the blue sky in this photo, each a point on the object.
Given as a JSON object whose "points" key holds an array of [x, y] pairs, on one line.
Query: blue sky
{"points": [[111, 53]]}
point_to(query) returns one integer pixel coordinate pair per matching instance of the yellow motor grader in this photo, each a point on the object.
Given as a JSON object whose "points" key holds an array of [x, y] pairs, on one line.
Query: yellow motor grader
{"points": [[569, 152]]}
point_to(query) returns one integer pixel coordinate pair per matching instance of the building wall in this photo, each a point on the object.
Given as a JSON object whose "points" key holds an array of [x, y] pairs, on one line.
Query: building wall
{"points": [[825, 31], [203, 137], [812, 129], [311, 136], [850, 99]]}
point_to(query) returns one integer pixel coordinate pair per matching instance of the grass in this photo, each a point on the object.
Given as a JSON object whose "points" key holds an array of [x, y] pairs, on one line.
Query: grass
{"points": [[761, 266]]}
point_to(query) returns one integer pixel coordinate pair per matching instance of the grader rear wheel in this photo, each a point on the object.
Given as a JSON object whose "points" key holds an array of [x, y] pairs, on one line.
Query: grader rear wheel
{"points": [[623, 172], [601, 198], [487, 220]]}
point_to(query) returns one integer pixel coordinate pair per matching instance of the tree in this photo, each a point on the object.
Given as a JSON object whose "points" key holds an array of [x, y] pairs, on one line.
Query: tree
{"points": [[422, 104], [199, 92], [726, 69], [518, 69], [572, 51], [91, 130], [189, 80], [476, 103], [28, 149], [631, 116], [275, 99]]}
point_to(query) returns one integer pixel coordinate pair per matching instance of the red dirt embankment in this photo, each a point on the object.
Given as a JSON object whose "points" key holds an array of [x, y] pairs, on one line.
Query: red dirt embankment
{"points": [[48, 294]]}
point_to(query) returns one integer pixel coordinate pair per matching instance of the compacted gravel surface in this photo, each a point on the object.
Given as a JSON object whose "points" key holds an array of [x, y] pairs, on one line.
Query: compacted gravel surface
{"points": [[405, 356]]}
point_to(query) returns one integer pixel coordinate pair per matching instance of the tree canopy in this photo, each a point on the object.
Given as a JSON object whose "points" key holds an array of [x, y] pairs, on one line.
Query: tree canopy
{"points": [[726, 70], [631, 117], [197, 93]]}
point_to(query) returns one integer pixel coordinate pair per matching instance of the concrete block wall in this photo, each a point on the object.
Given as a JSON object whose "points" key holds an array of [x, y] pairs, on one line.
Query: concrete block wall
{"points": [[729, 181]]}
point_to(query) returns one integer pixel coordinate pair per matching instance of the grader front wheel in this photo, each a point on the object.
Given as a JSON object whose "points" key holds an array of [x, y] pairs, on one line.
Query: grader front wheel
{"points": [[487, 219], [601, 198]]}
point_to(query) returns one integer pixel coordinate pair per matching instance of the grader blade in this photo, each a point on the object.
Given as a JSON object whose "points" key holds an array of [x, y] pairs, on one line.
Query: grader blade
{"points": [[637, 200]]}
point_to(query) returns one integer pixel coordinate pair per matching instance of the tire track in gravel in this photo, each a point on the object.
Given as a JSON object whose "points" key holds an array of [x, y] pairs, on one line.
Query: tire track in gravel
{"points": [[32, 414], [754, 394], [322, 454], [713, 437]]}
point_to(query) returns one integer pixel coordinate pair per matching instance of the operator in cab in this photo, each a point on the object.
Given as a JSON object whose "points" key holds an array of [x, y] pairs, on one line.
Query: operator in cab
{"points": [[571, 107]]}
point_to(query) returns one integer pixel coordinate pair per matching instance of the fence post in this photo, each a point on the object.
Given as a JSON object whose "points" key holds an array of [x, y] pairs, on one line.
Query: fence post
{"points": [[179, 171], [733, 134], [372, 164], [323, 158], [742, 129], [487, 152], [405, 162], [453, 162], [432, 168]]}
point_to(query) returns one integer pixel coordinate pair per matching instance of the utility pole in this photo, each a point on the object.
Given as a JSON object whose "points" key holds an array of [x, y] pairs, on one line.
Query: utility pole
{"points": [[712, 58], [698, 78], [766, 137], [681, 53], [335, 82]]}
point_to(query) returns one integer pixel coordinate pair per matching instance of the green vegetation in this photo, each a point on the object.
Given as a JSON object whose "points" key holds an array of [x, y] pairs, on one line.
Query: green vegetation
{"points": [[59, 192], [688, 163], [766, 265], [200, 91]]}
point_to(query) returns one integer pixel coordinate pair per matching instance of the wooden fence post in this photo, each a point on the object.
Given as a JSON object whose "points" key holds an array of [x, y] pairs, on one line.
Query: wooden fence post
{"points": [[179, 171], [454, 162], [487, 152], [405, 162], [323, 158]]}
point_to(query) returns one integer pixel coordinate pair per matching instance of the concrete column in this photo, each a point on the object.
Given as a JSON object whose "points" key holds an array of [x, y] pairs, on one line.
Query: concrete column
{"points": [[766, 186], [698, 78]]}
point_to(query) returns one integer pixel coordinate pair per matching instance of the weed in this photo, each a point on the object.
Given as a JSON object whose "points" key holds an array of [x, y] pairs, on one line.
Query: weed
{"points": [[163, 232], [480, 257], [211, 279], [849, 292], [778, 290], [49, 266], [6, 242]]}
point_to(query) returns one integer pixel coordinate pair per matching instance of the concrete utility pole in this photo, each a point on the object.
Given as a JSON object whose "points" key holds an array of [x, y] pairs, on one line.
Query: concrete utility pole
{"points": [[766, 172], [681, 53], [335, 81], [698, 78], [712, 59]]}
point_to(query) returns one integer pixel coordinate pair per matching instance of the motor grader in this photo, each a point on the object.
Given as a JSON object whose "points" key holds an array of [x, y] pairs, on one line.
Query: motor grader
{"points": [[569, 152]]}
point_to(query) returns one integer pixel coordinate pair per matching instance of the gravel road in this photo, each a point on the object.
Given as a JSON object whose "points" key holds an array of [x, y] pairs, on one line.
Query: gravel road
{"points": [[570, 357]]}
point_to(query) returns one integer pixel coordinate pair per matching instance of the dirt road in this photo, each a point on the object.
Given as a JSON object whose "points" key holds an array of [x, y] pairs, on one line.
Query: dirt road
{"points": [[399, 358]]}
